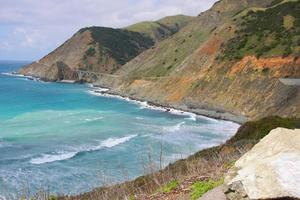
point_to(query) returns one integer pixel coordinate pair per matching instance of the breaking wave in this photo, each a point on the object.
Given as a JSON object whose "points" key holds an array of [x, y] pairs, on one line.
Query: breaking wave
{"points": [[62, 155], [97, 91]]}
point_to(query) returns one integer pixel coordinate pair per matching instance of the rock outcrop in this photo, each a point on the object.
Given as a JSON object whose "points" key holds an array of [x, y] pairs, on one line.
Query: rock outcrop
{"points": [[270, 170]]}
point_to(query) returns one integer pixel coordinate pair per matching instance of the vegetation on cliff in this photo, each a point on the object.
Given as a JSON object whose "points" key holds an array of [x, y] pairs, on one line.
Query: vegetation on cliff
{"points": [[161, 29], [182, 70], [273, 31], [122, 45]]}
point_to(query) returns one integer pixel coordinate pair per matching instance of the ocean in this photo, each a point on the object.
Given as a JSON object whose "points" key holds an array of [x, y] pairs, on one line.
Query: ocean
{"points": [[69, 139]]}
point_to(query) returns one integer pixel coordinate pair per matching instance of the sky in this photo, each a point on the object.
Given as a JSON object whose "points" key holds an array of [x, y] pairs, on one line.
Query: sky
{"points": [[30, 29]]}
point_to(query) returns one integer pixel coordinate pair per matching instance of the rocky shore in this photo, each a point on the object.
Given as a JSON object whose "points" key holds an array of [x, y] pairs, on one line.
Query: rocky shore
{"points": [[181, 107]]}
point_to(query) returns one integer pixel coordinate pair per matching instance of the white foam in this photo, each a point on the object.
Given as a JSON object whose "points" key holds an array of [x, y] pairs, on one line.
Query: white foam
{"points": [[48, 158], [93, 119], [14, 74], [111, 142], [174, 128], [62, 155], [2, 197], [98, 89], [146, 105], [3, 143]]}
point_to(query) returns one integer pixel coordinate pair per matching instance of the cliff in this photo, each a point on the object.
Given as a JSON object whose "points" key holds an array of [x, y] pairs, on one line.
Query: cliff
{"points": [[103, 50], [216, 63], [234, 58]]}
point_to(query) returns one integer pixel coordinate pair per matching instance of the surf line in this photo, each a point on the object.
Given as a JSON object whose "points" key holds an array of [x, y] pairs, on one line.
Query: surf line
{"points": [[65, 155], [105, 92]]}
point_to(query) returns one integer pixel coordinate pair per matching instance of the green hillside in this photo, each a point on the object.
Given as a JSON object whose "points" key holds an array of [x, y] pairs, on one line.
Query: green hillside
{"points": [[158, 30], [121, 44], [274, 31]]}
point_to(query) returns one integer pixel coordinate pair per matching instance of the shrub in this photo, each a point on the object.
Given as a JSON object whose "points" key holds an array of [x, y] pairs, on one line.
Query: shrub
{"points": [[201, 187], [265, 25], [169, 187], [256, 130], [90, 52], [121, 44]]}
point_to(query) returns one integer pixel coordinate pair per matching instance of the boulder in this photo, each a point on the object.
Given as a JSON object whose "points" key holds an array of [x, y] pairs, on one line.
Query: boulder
{"points": [[214, 194], [270, 170]]}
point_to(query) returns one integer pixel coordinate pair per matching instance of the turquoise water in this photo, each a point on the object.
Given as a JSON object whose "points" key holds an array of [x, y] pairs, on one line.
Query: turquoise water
{"points": [[66, 138]]}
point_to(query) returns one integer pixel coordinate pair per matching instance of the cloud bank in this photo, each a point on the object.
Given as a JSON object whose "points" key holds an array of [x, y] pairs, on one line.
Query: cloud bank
{"points": [[30, 29]]}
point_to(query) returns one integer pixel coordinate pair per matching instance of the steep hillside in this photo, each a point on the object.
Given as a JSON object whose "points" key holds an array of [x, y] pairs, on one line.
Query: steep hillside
{"points": [[161, 29], [104, 50], [96, 49], [266, 32], [230, 62], [217, 63]]}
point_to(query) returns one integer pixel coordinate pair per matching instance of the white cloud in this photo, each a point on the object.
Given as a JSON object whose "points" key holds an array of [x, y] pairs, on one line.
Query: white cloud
{"points": [[35, 27]]}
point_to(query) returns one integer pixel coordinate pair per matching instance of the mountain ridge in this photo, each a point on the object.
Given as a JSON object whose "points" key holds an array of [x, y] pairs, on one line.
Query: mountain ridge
{"points": [[162, 28], [100, 49]]}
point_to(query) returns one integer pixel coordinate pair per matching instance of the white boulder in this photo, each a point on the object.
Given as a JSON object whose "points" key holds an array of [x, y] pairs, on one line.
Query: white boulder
{"points": [[271, 169]]}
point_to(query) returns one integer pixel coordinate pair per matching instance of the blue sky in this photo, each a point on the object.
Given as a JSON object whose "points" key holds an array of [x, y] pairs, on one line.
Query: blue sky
{"points": [[30, 29]]}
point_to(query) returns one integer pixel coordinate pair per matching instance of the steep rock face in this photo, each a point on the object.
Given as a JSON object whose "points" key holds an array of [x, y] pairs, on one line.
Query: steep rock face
{"points": [[103, 50], [69, 55], [219, 61], [184, 71], [270, 170], [95, 49]]}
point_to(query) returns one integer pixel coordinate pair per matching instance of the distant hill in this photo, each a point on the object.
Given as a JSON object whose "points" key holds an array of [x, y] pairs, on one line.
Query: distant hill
{"points": [[96, 49], [101, 49]]}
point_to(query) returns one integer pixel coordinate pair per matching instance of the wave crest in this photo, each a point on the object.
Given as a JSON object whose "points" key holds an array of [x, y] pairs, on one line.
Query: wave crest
{"points": [[62, 155], [48, 158]]}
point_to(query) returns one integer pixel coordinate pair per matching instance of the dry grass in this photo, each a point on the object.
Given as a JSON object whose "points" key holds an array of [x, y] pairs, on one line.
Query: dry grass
{"points": [[210, 165]]}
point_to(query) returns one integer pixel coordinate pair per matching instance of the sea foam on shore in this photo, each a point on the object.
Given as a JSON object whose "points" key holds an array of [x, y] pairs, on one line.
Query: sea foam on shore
{"points": [[104, 92]]}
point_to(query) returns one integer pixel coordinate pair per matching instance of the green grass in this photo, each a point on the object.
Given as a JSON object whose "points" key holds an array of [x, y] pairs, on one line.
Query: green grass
{"points": [[52, 197], [229, 164], [169, 186], [158, 30], [201, 187], [146, 27], [168, 59], [256, 130], [131, 197]]}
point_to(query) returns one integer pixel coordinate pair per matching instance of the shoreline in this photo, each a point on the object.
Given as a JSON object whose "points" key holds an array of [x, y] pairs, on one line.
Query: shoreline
{"points": [[181, 109], [101, 91]]}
